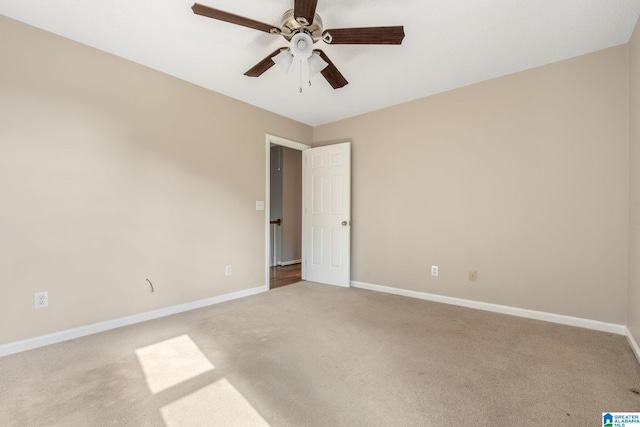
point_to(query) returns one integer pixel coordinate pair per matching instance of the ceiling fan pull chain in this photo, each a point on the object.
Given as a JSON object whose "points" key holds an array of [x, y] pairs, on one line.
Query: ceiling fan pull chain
{"points": [[301, 76]]}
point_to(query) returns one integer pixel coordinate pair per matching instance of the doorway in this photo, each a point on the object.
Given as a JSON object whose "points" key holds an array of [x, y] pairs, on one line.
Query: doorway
{"points": [[326, 212], [284, 212]]}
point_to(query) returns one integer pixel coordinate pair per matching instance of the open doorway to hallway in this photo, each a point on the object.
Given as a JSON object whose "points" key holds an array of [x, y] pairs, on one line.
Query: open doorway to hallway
{"points": [[285, 212], [325, 233]]}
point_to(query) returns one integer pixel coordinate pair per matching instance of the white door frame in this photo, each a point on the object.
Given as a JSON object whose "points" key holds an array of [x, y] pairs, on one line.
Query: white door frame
{"points": [[272, 139]]}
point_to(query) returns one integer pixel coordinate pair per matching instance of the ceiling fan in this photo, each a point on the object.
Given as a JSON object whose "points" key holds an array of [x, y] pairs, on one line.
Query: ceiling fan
{"points": [[302, 27]]}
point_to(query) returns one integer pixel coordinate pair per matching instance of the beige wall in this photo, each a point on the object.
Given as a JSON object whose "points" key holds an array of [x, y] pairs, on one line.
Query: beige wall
{"points": [[286, 203], [291, 204], [523, 178], [275, 204], [112, 173], [633, 316]]}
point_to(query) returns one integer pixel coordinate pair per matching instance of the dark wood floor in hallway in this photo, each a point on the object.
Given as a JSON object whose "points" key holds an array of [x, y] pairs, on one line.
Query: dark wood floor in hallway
{"points": [[282, 275]]}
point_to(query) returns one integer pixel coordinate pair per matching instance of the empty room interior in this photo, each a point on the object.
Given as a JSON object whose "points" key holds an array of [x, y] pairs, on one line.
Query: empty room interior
{"points": [[488, 234]]}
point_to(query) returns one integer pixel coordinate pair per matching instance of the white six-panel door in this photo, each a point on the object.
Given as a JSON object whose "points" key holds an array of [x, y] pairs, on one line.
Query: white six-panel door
{"points": [[326, 214]]}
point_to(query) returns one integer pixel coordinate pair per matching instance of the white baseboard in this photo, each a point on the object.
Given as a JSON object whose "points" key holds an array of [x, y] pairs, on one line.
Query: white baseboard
{"points": [[295, 261], [634, 345], [503, 309], [56, 337]]}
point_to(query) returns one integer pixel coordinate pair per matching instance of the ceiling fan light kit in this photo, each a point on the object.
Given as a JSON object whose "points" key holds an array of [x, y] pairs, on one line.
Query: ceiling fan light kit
{"points": [[283, 60], [316, 64], [301, 45], [302, 28]]}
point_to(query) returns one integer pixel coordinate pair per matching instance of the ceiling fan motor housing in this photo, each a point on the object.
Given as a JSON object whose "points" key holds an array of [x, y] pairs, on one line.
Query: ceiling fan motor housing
{"points": [[290, 26]]}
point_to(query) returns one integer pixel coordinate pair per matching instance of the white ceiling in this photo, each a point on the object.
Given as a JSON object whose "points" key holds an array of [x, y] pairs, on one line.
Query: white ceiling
{"points": [[448, 44]]}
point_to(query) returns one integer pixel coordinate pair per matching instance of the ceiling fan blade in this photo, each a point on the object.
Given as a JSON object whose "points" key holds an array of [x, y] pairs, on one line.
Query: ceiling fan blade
{"points": [[331, 73], [305, 9], [367, 35], [220, 15], [263, 65]]}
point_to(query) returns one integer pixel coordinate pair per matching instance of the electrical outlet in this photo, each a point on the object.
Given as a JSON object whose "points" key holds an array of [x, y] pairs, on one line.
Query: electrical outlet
{"points": [[434, 270], [227, 270], [41, 300], [473, 275]]}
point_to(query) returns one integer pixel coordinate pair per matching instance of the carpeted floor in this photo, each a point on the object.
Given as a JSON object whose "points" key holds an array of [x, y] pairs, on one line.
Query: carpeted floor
{"points": [[317, 355]]}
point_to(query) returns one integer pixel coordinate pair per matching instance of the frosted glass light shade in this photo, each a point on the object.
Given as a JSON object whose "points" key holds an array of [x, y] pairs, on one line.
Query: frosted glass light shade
{"points": [[283, 60], [316, 64]]}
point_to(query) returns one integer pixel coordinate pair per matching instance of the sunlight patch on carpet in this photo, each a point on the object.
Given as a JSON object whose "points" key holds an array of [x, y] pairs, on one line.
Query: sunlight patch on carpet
{"points": [[169, 363], [218, 404]]}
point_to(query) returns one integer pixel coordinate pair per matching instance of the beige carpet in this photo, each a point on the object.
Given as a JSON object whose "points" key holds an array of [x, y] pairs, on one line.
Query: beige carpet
{"points": [[316, 355]]}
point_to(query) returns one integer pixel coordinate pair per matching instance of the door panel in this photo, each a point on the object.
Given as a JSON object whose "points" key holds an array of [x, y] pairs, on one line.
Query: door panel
{"points": [[326, 202]]}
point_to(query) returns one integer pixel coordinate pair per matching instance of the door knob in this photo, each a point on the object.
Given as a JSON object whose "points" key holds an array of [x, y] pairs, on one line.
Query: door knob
{"points": [[345, 223]]}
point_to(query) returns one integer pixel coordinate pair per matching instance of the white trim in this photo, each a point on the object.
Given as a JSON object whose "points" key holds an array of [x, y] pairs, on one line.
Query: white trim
{"points": [[295, 261], [503, 309], [267, 197], [286, 143], [633, 344], [69, 334]]}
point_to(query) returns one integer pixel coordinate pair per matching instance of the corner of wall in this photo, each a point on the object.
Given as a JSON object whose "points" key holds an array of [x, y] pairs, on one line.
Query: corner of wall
{"points": [[633, 291]]}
